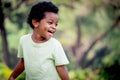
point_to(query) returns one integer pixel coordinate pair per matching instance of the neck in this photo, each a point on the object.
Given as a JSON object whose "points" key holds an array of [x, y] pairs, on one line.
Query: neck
{"points": [[38, 38]]}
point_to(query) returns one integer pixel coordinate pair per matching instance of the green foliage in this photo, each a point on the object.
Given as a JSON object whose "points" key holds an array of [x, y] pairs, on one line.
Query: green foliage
{"points": [[110, 72], [21, 76], [0, 49], [95, 18], [83, 74], [60, 2], [4, 71], [113, 41]]}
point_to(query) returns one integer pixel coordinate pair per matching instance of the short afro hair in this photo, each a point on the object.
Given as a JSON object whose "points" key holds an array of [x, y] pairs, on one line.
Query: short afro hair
{"points": [[38, 10]]}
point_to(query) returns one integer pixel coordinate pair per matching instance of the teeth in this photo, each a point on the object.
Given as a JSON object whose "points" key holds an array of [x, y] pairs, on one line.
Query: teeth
{"points": [[51, 31]]}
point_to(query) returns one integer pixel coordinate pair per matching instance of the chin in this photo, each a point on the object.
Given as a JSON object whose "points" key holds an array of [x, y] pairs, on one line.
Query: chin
{"points": [[48, 37]]}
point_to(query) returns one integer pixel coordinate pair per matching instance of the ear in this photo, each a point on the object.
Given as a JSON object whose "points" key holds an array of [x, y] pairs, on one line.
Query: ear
{"points": [[35, 23]]}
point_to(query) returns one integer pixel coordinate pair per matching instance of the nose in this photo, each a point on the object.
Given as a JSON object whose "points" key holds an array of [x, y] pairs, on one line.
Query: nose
{"points": [[54, 26]]}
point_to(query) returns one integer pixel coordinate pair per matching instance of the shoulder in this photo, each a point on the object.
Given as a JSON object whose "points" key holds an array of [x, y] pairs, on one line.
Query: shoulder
{"points": [[25, 37], [55, 41]]}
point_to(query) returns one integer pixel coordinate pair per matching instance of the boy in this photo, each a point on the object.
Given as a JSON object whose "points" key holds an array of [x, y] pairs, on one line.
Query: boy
{"points": [[41, 56]]}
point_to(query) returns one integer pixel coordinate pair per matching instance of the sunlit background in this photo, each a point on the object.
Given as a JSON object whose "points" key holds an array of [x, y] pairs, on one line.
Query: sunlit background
{"points": [[89, 31]]}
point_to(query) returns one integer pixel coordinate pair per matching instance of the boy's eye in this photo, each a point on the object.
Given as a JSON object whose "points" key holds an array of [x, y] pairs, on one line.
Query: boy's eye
{"points": [[49, 22], [56, 24]]}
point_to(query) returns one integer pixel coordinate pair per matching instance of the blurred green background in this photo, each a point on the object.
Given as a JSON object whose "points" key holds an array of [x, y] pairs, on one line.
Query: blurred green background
{"points": [[89, 31]]}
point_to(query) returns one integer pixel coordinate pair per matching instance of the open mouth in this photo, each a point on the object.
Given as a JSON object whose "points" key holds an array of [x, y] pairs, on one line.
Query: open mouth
{"points": [[51, 32]]}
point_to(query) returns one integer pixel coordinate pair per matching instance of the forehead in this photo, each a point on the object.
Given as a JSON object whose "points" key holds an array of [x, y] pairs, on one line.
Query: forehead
{"points": [[51, 15]]}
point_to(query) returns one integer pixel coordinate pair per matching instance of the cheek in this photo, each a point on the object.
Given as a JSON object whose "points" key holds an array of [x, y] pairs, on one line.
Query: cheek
{"points": [[43, 29]]}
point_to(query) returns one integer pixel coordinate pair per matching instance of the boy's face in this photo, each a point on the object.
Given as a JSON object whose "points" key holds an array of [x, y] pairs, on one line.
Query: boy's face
{"points": [[47, 26]]}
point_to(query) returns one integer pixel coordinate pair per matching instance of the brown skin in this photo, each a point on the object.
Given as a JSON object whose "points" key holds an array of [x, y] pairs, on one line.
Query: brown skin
{"points": [[18, 70], [41, 34], [45, 28], [43, 31], [62, 72]]}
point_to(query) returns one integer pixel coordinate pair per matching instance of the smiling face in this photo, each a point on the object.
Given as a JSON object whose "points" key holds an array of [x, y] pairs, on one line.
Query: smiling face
{"points": [[46, 28]]}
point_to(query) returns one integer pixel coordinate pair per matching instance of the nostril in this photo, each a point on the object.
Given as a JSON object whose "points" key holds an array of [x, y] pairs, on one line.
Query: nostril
{"points": [[54, 27]]}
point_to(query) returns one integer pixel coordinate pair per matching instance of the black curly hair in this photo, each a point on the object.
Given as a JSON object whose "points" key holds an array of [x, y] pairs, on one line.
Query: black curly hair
{"points": [[38, 10]]}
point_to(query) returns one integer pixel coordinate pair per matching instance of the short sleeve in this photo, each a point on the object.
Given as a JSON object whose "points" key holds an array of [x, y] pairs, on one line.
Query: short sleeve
{"points": [[60, 57], [20, 50]]}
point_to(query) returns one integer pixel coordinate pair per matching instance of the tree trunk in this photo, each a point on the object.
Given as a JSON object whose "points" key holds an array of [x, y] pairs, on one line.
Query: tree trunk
{"points": [[76, 45], [4, 37], [100, 37]]}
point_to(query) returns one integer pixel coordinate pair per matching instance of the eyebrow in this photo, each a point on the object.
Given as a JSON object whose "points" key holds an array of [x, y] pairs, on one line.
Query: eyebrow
{"points": [[53, 20]]}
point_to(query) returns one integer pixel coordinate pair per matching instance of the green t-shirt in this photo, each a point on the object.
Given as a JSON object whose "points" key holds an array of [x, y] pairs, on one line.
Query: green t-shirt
{"points": [[41, 58]]}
